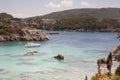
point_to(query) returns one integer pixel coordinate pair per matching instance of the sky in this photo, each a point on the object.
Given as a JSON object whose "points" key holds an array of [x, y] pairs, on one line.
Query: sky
{"points": [[29, 8]]}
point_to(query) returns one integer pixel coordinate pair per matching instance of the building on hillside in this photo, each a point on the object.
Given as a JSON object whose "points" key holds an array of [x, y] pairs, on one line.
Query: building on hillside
{"points": [[48, 21]]}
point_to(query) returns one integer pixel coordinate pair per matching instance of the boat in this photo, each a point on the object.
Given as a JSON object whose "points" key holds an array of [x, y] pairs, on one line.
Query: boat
{"points": [[52, 33], [31, 44]]}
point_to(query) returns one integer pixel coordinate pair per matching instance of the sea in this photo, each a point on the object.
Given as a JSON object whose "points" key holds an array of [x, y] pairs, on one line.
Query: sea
{"points": [[80, 50]]}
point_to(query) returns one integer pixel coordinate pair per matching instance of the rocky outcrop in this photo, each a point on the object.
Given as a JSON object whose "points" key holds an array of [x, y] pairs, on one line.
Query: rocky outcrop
{"points": [[117, 72], [2, 38], [43, 37], [12, 37], [30, 53], [59, 57], [113, 56], [26, 37]]}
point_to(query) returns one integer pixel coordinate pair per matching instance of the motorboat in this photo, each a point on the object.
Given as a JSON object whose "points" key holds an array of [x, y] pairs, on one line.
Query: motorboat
{"points": [[52, 33], [31, 44]]}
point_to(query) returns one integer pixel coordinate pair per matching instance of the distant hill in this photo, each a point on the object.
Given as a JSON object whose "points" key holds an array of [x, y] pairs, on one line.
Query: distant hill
{"points": [[99, 13], [91, 19], [5, 15]]}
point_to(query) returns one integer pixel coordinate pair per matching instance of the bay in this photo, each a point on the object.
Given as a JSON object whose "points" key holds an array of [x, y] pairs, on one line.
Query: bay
{"points": [[80, 49]]}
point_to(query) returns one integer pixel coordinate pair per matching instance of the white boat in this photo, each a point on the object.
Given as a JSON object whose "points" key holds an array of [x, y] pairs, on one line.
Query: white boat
{"points": [[31, 44]]}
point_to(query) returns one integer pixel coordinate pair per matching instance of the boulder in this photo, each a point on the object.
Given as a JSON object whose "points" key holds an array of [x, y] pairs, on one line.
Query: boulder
{"points": [[30, 53], [2, 39], [6, 37], [28, 38], [116, 50], [117, 72], [15, 37], [59, 57], [43, 36]]}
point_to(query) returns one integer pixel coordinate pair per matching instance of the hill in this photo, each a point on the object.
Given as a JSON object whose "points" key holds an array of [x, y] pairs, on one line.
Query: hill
{"points": [[99, 13], [97, 19], [5, 15]]}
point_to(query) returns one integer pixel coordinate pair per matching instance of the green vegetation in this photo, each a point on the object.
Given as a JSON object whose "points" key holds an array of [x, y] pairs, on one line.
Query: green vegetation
{"points": [[99, 13], [101, 77], [87, 24], [7, 27]]}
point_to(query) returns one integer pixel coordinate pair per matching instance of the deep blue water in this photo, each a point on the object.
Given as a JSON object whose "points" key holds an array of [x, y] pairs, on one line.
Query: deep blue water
{"points": [[81, 50]]}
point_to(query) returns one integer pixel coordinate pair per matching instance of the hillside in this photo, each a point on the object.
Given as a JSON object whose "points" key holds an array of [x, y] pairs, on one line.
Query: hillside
{"points": [[99, 13], [99, 20], [15, 29], [5, 15]]}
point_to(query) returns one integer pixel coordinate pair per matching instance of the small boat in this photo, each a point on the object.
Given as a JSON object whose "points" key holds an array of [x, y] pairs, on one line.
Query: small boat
{"points": [[51, 33], [31, 44]]}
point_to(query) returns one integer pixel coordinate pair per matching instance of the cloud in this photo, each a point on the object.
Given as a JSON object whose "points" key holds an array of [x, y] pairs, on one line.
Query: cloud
{"points": [[66, 3], [63, 3], [53, 5], [85, 3]]}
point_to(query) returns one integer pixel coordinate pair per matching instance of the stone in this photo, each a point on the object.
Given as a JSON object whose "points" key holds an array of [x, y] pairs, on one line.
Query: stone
{"points": [[59, 57], [30, 53], [2, 39]]}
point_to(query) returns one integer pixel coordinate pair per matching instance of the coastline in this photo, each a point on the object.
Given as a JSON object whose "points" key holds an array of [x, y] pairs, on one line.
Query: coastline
{"points": [[26, 35]]}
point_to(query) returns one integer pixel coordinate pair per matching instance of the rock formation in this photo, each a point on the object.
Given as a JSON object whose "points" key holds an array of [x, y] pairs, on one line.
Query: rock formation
{"points": [[108, 62], [30, 53], [59, 57], [24, 37], [115, 54]]}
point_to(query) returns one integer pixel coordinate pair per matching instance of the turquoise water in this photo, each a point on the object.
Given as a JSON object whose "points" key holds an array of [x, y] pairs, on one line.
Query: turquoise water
{"points": [[81, 50]]}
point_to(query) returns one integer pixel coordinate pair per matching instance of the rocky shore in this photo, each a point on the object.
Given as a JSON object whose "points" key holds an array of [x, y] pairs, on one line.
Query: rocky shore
{"points": [[26, 36], [107, 74]]}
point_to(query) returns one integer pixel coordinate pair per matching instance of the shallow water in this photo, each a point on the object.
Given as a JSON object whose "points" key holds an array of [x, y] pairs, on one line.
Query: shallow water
{"points": [[81, 50]]}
